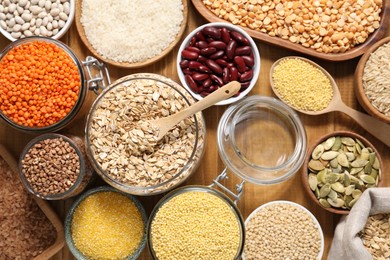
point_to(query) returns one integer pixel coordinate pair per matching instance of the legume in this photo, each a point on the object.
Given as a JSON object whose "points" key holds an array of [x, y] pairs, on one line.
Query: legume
{"points": [[107, 225], [51, 166], [27, 18], [216, 56], [375, 236], [25, 230], [39, 84], [282, 231], [195, 225], [376, 78], [327, 26], [301, 85]]}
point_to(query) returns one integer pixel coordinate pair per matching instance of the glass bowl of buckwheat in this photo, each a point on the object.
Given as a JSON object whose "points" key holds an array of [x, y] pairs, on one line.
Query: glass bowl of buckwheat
{"points": [[126, 153]]}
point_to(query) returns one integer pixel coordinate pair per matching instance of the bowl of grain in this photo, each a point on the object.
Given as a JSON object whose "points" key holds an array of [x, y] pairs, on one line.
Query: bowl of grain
{"points": [[372, 76], [195, 222], [214, 54], [104, 223], [339, 167], [20, 19], [126, 153], [281, 230]]}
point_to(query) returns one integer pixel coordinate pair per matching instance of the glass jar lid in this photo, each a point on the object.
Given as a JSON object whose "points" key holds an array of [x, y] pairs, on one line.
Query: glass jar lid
{"points": [[261, 140]]}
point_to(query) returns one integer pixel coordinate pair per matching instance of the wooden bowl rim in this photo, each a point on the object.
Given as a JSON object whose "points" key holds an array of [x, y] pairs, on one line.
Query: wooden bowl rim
{"points": [[128, 65], [308, 157], [358, 85]]}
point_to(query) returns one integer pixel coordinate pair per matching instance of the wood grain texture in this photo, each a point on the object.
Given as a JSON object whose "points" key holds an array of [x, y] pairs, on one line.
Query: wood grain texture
{"points": [[149, 61], [350, 54], [211, 164]]}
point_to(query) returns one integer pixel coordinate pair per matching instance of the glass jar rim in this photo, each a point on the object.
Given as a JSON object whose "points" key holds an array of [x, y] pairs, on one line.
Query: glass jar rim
{"points": [[139, 190], [235, 113], [82, 93], [76, 184]]}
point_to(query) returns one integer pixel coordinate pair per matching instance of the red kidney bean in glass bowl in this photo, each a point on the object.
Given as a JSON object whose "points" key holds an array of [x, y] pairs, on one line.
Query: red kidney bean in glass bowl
{"points": [[215, 54]]}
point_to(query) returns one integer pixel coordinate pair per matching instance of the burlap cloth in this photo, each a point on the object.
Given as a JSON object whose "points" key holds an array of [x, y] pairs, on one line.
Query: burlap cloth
{"points": [[346, 244]]}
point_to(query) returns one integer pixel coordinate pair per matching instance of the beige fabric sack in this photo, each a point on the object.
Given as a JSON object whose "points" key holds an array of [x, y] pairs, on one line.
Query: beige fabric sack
{"points": [[346, 244]]}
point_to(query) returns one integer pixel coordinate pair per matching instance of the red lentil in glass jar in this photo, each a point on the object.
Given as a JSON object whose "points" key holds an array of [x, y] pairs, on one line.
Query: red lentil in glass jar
{"points": [[41, 85], [54, 166]]}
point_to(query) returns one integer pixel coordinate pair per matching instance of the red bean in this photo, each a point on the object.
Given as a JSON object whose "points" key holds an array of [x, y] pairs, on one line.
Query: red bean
{"points": [[217, 55], [207, 83], [246, 76], [220, 45], [202, 44], [239, 37], [225, 35], [190, 55], [249, 61], [193, 49], [230, 49], [199, 36], [202, 58], [204, 94], [213, 32], [199, 76], [212, 88], [243, 50], [225, 75], [191, 82], [244, 85], [194, 64], [184, 64], [192, 41], [233, 73], [204, 69], [214, 66], [208, 51], [188, 71], [239, 61], [216, 79], [222, 62]]}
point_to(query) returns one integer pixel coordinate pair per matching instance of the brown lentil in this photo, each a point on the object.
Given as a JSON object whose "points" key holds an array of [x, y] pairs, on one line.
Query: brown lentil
{"points": [[25, 230], [301, 85], [195, 225], [107, 225], [51, 166], [327, 26], [282, 231], [376, 236]]}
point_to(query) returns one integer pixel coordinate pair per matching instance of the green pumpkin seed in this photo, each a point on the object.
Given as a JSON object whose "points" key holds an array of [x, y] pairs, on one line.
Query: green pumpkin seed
{"points": [[350, 156], [358, 149], [334, 163], [332, 195], [337, 203], [317, 193], [321, 176], [347, 180], [359, 143], [327, 156], [365, 154], [348, 141], [329, 142], [367, 179], [324, 203], [338, 187], [313, 182], [324, 191], [343, 160], [331, 178], [368, 168], [349, 189], [375, 165], [359, 163], [347, 200], [355, 171], [371, 158], [374, 173], [317, 152], [316, 165], [352, 202], [337, 144], [356, 193]]}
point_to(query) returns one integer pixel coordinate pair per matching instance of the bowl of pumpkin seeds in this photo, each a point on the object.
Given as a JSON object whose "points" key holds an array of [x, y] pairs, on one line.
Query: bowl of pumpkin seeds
{"points": [[340, 166]]}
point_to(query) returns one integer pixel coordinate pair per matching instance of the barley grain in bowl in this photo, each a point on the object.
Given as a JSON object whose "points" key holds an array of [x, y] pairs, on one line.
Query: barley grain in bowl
{"points": [[283, 230], [340, 166], [372, 77], [25, 18], [215, 54], [126, 153]]}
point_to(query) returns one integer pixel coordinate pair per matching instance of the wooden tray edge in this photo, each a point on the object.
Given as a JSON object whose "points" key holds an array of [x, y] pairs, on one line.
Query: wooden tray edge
{"points": [[44, 206]]}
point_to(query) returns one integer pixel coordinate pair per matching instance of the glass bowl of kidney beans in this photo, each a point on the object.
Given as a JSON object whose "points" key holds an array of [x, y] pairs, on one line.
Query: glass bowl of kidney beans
{"points": [[215, 54]]}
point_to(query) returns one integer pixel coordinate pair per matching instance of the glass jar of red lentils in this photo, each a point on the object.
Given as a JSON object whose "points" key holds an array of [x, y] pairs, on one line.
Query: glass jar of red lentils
{"points": [[42, 85], [195, 222], [54, 166]]}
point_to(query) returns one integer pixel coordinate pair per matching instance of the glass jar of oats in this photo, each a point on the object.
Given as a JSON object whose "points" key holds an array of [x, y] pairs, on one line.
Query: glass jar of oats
{"points": [[125, 152]]}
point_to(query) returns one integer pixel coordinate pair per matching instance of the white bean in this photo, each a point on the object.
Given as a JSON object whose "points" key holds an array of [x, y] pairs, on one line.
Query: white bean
{"points": [[61, 23], [12, 8], [22, 3], [49, 33], [63, 16], [48, 5], [32, 28], [11, 22], [25, 26], [66, 8], [27, 33], [50, 18], [49, 27], [54, 12], [6, 10], [2, 16], [45, 21], [27, 17], [34, 2], [43, 30], [38, 22], [35, 10], [6, 3], [32, 21], [19, 20], [16, 35], [55, 31], [9, 16], [19, 9], [3, 25], [1, 8], [42, 14], [41, 3], [55, 5], [17, 28], [55, 24], [37, 31]]}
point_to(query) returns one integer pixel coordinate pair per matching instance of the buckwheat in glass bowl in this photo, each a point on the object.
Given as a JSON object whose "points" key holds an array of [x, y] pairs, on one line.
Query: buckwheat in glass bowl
{"points": [[125, 152]]}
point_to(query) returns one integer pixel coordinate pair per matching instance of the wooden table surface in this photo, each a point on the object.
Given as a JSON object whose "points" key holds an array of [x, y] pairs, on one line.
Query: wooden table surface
{"points": [[211, 164]]}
